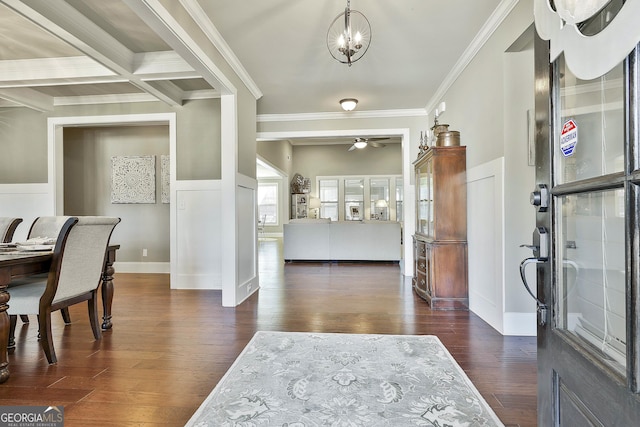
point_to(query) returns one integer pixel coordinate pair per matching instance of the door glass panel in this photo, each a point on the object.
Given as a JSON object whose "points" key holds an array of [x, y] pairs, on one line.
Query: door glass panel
{"points": [[595, 147], [591, 273]]}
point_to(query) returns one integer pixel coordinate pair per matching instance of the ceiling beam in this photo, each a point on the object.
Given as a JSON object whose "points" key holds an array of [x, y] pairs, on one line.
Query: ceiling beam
{"points": [[54, 71], [84, 70], [28, 97], [63, 21], [159, 19]]}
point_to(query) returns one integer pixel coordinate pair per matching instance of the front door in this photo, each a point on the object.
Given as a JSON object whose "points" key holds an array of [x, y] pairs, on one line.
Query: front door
{"points": [[588, 222]]}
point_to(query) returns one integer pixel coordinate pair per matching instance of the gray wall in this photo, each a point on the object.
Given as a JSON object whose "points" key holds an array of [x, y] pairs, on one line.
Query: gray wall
{"points": [[277, 153], [198, 141], [87, 186], [413, 124], [247, 134], [318, 160], [24, 138], [198, 146]]}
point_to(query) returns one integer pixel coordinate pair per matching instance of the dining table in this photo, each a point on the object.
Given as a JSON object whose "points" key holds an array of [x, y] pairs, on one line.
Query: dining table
{"points": [[15, 264]]}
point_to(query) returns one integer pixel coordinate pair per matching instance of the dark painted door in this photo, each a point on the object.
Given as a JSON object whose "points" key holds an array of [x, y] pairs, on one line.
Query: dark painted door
{"points": [[587, 234]]}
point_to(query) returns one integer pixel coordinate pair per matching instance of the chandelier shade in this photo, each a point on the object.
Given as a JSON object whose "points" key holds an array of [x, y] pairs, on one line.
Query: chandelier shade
{"points": [[349, 36], [575, 11]]}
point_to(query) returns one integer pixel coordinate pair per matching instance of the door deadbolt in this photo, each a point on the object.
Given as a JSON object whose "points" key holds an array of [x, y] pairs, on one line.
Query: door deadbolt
{"points": [[540, 198]]}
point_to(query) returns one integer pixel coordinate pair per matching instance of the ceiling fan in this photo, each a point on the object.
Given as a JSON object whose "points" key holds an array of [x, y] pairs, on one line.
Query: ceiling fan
{"points": [[361, 143]]}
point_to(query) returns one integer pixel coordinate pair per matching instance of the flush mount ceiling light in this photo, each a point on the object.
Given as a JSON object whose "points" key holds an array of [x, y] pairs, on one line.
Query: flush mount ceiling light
{"points": [[348, 104], [360, 144], [349, 36]]}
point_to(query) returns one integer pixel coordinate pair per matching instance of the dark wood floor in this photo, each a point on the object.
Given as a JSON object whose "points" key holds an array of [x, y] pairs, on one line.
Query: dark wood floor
{"points": [[169, 348]]}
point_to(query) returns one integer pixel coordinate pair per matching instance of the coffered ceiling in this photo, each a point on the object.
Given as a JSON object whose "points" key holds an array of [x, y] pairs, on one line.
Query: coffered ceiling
{"points": [[69, 52]]}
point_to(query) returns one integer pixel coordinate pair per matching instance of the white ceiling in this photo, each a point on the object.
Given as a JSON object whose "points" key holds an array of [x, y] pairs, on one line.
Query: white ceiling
{"points": [[58, 52]]}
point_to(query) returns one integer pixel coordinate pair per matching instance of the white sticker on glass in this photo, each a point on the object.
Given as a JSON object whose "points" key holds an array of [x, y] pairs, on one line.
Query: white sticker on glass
{"points": [[568, 138]]}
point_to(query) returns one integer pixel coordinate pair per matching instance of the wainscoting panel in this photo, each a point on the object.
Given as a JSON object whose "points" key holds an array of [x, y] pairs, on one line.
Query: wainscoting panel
{"points": [[199, 239], [26, 201], [485, 234]]}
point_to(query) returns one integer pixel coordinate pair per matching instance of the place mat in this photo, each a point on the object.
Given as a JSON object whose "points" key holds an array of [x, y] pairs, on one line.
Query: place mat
{"points": [[34, 248]]}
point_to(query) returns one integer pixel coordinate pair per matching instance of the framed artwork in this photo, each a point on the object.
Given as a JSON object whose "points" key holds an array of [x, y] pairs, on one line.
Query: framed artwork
{"points": [[165, 196], [133, 179], [355, 212]]}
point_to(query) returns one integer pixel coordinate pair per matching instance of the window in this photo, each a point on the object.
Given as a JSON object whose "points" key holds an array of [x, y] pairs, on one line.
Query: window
{"points": [[399, 198], [328, 190], [362, 197], [268, 203], [379, 198], [354, 199]]}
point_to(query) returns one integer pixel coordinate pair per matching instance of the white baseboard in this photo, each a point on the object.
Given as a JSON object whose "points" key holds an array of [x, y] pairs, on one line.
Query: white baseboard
{"points": [[196, 281], [520, 324], [271, 234], [141, 267]]}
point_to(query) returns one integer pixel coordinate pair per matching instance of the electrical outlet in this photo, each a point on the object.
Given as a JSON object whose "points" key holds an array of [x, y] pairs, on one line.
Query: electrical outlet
{"points": [[144, 252]]}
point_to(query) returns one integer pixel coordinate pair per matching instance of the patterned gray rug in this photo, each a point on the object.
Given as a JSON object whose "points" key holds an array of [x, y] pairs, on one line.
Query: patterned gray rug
{"points": [[295, 379]]}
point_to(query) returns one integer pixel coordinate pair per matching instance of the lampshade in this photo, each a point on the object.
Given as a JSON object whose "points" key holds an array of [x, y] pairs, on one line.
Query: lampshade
{"points": [[348, 104], [381, 203], [314, 203]]}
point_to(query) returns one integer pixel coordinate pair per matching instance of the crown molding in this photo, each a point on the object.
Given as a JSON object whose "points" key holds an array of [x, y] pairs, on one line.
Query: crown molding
{"points": [[497, 17], [200, 17], [417, 112]]}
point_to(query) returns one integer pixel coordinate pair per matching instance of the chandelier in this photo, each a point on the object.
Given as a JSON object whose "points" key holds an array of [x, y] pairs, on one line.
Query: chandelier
{"points": [[349, 36], [575, 11]]}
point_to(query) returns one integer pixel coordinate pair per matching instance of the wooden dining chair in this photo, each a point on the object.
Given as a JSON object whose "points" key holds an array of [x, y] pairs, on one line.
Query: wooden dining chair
{"points": [[8, 226], [43, 227], [47, 226], [74, 277]]}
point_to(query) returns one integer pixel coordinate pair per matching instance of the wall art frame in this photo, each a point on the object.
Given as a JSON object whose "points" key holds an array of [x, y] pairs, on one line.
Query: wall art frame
{"points": [[133, 179]]}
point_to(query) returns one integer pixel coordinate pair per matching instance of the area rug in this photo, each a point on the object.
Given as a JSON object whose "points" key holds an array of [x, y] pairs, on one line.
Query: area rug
{"points": [[296, 379]]}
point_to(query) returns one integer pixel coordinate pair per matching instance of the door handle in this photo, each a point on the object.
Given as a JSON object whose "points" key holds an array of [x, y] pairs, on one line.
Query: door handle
{"points": [[541, 308], [540, 248]]}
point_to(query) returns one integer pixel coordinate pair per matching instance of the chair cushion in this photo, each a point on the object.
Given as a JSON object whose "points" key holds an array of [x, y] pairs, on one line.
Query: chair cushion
{"points": [[25, 298]]}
